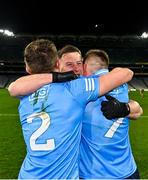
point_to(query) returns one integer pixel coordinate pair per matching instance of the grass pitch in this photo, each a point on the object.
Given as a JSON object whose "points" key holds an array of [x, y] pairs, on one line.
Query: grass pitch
{"points": [[12, 148]]}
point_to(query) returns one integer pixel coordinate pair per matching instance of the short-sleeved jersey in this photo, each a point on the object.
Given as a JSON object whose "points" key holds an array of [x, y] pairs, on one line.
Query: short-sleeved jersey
{"points": [[105, 151], [51, 120]]}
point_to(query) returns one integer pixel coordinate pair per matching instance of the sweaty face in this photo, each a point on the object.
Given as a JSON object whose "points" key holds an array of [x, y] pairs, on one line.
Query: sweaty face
{"points": [[71, 62], [93, 64]]}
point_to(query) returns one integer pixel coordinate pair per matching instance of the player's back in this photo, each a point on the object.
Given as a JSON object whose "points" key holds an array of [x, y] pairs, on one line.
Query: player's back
{"points": [[51, 120], [105, 151]]}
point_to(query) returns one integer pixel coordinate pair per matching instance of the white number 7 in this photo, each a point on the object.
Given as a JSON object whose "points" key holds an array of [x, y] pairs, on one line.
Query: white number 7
{"points": [[114, 128], [49, 145]]}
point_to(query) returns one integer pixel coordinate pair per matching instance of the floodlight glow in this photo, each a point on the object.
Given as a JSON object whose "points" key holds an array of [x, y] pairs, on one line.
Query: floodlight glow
{"points": [[1, 30], [6, 32], [144, 35]]}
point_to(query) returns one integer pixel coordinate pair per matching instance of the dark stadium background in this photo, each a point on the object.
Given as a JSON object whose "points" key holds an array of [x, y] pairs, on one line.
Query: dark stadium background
{"points": [[56, 17], [115, 27]]}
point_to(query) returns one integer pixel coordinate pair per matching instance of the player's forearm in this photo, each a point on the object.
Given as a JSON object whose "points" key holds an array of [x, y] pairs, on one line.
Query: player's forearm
{"points": [[115, 78], [28, 84], [135, 110]]}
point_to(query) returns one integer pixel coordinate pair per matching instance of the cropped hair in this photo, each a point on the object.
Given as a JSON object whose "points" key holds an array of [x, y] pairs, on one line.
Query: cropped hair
{"points": [[98, 53], [40, 56], [68, 49]]}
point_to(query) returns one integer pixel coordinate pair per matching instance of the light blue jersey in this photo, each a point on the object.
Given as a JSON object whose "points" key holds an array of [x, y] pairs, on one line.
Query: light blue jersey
{"points": [[51, 120], [105, 151]]}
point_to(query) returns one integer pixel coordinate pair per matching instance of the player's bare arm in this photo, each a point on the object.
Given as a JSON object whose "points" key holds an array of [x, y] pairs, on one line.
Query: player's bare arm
{"points": [[135, 110], [28, 84], [31, 83], [113, 79]]}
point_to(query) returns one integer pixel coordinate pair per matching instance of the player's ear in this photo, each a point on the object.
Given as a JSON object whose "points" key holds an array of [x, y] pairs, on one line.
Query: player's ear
{"points": [[57, 65], [85, 69], [28, 70]]}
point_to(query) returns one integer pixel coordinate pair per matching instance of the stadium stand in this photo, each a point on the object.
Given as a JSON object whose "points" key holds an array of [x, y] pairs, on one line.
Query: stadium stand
{"points": [[63, 40], [138, 83], [124, 51], [5, 80]]}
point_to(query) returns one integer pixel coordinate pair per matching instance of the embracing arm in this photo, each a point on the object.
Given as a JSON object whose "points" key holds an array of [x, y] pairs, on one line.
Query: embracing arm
{"points": [[31, 83], [113, 79], [28, 84], [113, 108], [135, 110]]}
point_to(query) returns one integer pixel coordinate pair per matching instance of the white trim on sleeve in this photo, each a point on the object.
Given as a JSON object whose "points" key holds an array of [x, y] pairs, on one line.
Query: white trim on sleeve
{"points": [[90, 84]]}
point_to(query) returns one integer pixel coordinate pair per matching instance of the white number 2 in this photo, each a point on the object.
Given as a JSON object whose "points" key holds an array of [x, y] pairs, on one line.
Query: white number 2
{"points": [[114, 128], [50, 144]]}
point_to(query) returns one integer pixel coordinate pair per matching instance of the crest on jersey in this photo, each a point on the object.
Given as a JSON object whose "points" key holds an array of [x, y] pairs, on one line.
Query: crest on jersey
{"points": [[41, 93]]}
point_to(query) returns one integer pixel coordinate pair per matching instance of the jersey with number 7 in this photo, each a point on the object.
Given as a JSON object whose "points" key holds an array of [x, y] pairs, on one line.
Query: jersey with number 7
{"points": [[105, 151]]}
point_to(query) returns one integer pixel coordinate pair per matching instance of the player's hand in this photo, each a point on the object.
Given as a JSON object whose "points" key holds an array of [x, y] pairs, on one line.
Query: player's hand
{"points": [[65, 76], [114, 108]]}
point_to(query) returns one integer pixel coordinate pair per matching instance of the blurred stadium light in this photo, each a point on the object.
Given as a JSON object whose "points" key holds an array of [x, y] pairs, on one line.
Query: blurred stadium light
{"points": [[144, 35], [6, 32]]}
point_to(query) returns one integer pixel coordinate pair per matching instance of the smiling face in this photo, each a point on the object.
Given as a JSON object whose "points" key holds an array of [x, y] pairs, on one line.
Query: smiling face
{"points": [[71, 62]]}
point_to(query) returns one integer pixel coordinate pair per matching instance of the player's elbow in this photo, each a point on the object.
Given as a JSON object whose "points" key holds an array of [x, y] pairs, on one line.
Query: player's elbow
{"points": [[128, 74], [12, 89], [135, 116], [140, 111], [137, 110]]}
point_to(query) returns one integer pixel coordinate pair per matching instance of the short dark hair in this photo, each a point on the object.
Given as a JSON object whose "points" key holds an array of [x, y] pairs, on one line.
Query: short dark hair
{"points": [[68, 49], [40, 55]]}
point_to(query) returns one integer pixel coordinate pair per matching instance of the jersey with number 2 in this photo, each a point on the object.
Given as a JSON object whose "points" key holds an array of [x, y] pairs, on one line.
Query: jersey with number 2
{"points": [[51, 120]]}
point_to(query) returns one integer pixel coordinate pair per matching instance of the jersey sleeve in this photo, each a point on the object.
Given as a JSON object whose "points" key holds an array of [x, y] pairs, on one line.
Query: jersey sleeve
{"points": [[85, 89]]}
